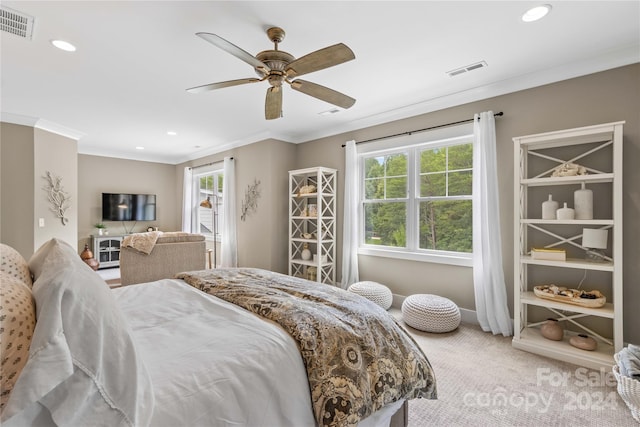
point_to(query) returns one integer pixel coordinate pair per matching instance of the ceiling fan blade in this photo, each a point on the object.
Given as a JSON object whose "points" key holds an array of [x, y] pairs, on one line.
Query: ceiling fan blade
{"points": [[220, 85], [320, 59], [323, 93], [234, 50], [273, 103]]}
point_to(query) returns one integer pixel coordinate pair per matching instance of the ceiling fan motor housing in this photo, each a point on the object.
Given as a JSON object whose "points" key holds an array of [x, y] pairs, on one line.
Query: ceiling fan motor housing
{"points": [[277, 61]]}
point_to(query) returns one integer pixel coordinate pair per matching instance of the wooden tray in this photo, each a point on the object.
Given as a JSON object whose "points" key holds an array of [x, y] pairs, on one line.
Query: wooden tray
{"points": [[582, 302]]}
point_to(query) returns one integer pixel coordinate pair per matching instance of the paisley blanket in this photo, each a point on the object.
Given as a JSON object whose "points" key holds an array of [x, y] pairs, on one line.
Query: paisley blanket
{"points": [[358, 358]]}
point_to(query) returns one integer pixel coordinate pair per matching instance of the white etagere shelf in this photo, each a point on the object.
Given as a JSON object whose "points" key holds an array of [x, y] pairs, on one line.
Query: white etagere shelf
{"points": [[312, 213], [569, 263], [605, 141]]}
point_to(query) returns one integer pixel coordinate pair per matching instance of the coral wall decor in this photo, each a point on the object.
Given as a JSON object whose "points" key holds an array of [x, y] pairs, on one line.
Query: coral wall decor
{"points": [[250, 202], [59, 199]]}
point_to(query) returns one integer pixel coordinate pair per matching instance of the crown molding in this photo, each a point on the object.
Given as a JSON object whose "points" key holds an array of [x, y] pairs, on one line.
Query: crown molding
{"points": [[18, 119], [38, 123], [59, 129]]}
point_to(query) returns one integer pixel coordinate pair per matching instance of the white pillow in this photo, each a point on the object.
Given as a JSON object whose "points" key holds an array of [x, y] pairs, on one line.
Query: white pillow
{"points": [[37, 259], [83, 368]]}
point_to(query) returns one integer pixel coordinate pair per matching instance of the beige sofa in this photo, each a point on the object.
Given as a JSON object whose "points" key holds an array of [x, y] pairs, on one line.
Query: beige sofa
{"points": [[173, 253]]}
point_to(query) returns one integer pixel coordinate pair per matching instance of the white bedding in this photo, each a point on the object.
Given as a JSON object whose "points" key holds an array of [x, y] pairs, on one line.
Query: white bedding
{"points": [[215, 364], [153, 354], [212, 363]]}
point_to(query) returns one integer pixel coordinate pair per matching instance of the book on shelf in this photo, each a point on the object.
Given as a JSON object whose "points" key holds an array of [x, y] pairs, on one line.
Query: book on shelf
{"points": [[549, 254]]}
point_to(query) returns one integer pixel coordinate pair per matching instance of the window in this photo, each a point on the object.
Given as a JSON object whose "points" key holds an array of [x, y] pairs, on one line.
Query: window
{"points": [[208, 186], [416, 201]]}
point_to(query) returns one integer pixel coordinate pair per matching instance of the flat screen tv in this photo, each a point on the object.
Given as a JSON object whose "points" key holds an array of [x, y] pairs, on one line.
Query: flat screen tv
{"points": [[128, 207]]}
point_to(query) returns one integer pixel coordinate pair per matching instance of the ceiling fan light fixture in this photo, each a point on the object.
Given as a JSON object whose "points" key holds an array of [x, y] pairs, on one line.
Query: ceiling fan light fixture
{"points": [[536, 13]]}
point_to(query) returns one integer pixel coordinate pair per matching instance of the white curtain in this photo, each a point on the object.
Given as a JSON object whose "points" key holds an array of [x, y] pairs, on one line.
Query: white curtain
{"points": [[229, 256], [187, 200], [488, 276], [350, 221]]}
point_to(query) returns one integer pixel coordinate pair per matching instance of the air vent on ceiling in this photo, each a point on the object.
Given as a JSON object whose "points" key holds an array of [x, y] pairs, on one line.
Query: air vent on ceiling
{"points": [[331, 111], [17, 23], [467, 68]]}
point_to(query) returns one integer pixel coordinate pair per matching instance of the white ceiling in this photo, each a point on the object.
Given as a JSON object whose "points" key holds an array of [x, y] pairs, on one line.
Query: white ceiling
{"points": [[125, 85]]}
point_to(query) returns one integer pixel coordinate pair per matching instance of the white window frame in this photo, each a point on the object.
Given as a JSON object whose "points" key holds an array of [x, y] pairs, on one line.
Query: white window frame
{"points": [[412, 145], [217, 170]]}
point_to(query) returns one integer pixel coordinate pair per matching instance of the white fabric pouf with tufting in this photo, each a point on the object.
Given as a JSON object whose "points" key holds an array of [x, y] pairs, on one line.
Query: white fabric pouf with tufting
{"points": [[373, 291], [430, 313]]}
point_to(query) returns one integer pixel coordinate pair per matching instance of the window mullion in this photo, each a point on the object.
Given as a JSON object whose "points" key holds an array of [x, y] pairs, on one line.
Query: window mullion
{"points": [[452, 215], [412, 207]]}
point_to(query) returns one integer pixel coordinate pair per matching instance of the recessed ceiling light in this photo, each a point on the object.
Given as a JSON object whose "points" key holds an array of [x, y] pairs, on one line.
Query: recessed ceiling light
{"points": [[139, 148], [172, 133], [536, 13], [61, 44]]}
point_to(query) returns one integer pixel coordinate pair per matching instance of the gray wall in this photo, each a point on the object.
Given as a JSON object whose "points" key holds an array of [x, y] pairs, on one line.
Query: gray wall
{"points": [[598, 98], [58, 155], [16, 187], [262, 239], [110, 175], [27, 154]]}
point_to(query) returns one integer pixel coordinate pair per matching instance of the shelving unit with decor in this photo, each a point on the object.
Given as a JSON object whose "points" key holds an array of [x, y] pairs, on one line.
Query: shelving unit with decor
{"points": [[106, 249], [597, 149], [312, 224]]}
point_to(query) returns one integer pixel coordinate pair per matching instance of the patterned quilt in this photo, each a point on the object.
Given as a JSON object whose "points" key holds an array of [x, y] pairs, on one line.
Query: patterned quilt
{"points": [[358, 358]]}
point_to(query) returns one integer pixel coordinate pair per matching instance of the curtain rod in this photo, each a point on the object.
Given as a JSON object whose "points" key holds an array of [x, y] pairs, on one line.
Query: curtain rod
{"points": [[419, 130], [207, 164]]}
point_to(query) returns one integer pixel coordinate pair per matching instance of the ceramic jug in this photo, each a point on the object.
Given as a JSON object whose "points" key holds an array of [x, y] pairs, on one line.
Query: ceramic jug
{"points": [[549, 208], [565, 213]]}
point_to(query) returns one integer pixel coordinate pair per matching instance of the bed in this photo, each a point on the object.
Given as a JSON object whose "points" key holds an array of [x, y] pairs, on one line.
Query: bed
{"points": [[203, 350]]}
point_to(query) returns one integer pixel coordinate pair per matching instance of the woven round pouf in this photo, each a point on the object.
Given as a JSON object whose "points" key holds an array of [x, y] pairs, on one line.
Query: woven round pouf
{"points": [[430, 313], [373, 291]]}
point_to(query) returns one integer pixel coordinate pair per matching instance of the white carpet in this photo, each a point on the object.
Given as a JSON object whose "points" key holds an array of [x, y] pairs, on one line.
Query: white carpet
{"points": [[110, 275], [483, 381]]}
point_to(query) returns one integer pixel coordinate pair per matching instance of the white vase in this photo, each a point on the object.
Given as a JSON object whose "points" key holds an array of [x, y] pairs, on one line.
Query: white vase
{"points": [[583, 203], [565, 213], [549, 208], [306, 253]]}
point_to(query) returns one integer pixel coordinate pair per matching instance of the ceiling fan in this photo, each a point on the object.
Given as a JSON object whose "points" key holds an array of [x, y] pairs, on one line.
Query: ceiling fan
{"points": [[278, 66]]}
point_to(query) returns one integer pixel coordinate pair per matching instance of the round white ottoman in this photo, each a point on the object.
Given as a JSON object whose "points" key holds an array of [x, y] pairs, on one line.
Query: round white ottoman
{"points": [[373, 291], [430, 313]]}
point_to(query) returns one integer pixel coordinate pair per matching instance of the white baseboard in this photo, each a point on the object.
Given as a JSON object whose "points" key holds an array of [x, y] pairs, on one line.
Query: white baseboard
{"points": [[468, 316]]}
